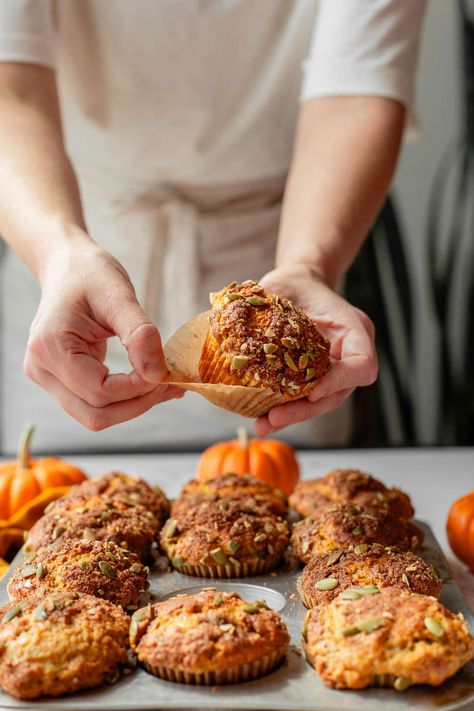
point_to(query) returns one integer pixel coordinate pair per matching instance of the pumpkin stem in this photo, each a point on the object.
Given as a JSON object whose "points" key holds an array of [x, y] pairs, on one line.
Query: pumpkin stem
{"points": [[24, 447], [243, 436]]}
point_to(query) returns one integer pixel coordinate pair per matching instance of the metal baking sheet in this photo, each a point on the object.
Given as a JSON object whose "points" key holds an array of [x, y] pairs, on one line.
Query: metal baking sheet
{"points": [[295, 686]]}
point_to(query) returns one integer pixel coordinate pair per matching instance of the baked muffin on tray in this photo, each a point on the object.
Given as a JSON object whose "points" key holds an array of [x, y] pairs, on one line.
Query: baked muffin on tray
{"points": [[262, 340], [364, 570], [209, 638], [344, 525], [116, 486], [99, 568], [217, 539], [348, 485], [246, 488], [60, 643], [129, 526], [396, 639]]}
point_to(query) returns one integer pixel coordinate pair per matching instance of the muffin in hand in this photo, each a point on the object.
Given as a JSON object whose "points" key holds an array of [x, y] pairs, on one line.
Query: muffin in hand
{"points": [[209, 638], [262, 340]]}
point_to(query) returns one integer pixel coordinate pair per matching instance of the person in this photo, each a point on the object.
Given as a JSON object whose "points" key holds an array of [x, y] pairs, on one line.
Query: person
{"points": [[147, 159]]}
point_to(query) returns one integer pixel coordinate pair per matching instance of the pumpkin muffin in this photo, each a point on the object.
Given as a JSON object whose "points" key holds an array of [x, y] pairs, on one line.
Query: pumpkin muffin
{"points": [[364, 570], [246, 488], [99, 568], [220, 540], [345, 525], [262, 340], [396, 638], [60, 644], [348, 485], [208, 638], [129, 526], [116, 486]]}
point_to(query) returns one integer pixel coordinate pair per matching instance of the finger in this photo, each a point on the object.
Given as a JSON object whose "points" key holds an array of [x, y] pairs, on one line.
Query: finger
{"points": [[298, 411], [352, 371], [98, 418], [142, 340], [74, 362]]}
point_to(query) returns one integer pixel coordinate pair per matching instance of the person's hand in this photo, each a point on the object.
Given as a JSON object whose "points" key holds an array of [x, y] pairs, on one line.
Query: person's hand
{"points": [[87, 297], [350, 332]]}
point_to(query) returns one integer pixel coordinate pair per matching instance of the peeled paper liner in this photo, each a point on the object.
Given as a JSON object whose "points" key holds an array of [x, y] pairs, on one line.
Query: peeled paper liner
{"points": [[183, 352]]}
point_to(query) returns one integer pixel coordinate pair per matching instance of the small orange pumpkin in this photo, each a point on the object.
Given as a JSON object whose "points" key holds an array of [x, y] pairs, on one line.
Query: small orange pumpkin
{"points": [[460, 529], [267, 459], [24, 479]]}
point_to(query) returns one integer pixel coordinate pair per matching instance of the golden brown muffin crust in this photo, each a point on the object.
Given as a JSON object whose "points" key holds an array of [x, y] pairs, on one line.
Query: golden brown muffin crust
{"points": [[99, 568], [366, 565], [348, 485], [59, 644], [129, 526], [345, 525], [117, 486], [208, 631], [380, 638], [269, 341], [210, 532]]}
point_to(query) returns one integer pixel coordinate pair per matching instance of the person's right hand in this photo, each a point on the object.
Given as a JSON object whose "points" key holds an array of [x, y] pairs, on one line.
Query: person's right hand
{"points": [[87, 297]]}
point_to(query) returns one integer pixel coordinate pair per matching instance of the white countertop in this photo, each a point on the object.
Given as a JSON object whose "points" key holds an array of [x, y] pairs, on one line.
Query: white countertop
{"points": [[433, 478]]}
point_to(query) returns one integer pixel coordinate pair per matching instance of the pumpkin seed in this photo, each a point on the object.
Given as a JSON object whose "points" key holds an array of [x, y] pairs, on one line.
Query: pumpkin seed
{"points": [[269, 348], [88, 534], [28, 571], [58, 531], [233, 546], [144, 613], [227, 627], [382, 497], [371, 624], [402, 683], [350, 594], [269, 527], [171, 528], [219, 556], [40, 570], [30, 557], [40, 613], [406, 579], [350, 631], [251, 609], [310, 374], [357, 531], [334, 557], [218, 600], [361, 548], [433, 626], [270, 333], [327, 584], [367, 589], [290, 362], [133, 629], [288, 342], [84, 565], [239, 362], [305, 547], [11, 613], [136, 568], [260, 537], [233, 296], [255, 301], [177, 561], [107, 569], [303, 361]]}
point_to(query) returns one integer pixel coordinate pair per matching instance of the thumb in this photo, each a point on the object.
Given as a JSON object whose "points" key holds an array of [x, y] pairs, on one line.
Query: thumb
{"points": [[142, 340]]}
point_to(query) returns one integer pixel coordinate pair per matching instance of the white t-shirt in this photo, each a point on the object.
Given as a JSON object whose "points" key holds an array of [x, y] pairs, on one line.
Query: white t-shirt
{"points": [[162, 99]]}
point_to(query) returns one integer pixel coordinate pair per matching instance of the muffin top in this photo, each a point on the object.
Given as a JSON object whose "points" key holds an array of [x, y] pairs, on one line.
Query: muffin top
{"points": [[129, 526], [348, 485], [210, 631], [345, 525], [364, 570], [220, 532], [242, 487], [99, 568], [409, 637], [60, 643], [116, 486], [269, 341]]}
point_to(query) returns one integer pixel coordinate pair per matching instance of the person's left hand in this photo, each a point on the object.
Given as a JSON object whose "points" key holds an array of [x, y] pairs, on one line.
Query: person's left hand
{"points": [[350, 332]]}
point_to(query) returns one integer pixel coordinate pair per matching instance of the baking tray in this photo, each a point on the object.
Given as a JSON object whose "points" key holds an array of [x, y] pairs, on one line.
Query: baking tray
{"points": [[294, 686]]}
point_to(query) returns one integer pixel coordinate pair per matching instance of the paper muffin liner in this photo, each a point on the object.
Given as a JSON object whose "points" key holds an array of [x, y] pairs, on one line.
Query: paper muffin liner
{"points": [[308, 601], [231, 675], [183, 353], [244, 569]]}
